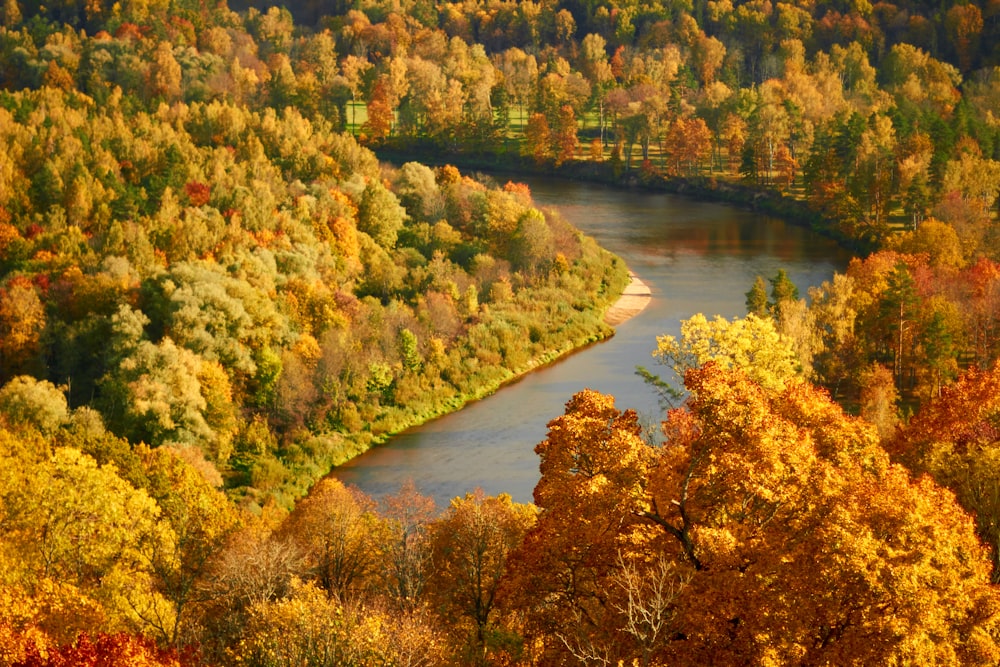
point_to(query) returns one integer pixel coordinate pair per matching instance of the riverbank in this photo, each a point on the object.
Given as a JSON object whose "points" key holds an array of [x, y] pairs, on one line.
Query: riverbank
{"points": [[633, 301]]}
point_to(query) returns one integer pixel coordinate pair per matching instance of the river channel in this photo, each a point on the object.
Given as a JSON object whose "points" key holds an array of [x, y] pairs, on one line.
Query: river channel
{"points": [[694, 256]]}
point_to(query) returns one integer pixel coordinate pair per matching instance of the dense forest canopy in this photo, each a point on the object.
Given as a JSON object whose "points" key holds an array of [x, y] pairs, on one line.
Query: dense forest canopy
{"points": [[212, 291]]}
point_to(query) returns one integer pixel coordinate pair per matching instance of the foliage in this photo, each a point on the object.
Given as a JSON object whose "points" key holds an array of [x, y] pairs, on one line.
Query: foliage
{"points": [[206, 281], [672, 554], [751, 344]]}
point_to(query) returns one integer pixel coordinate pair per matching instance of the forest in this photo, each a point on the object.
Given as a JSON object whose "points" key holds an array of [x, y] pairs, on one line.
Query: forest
{"points": [[213, 291]]}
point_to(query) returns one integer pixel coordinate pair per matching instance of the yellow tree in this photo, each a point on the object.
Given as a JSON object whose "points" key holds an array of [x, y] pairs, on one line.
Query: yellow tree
{"points": [[75, 544], [309, 628], [752, 344], [200, 520]]}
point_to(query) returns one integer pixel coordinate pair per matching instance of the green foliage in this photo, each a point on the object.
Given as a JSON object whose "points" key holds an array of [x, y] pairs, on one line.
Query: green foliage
{"points": [[28, 403]]}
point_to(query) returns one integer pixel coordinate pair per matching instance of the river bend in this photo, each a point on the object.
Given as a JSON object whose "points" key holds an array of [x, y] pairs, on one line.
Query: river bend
{"points": [[694, 256]]}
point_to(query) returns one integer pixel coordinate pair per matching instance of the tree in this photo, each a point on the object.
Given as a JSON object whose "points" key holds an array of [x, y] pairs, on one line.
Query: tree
{"points": [[380, 116], [380, 215], [751, 344], [310, 628], [936, 240], [22, 322], [538, 139], [757, 298], [77, 539], [164, 75], [783, 290], [689, 142], [565, 140], [340, 537], [409, 515], [563, 576], [102, 650], [752, 487], [964, 24], [879, 399], [354, 70], [898, 310], [594, 65], [953, 439], [470, 545], [201, 520], [519, 74], [834, 310], [153, 395], [38, 404]]}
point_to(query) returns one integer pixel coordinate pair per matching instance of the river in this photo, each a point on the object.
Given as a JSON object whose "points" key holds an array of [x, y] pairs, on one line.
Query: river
{"points": [[694, 256]]}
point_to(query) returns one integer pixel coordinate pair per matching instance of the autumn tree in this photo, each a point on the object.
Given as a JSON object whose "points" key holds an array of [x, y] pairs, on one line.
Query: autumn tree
{"points": [[593, 464], [380, 117], [408, 555], [952, 439], [340, 537], [380, 215], [101, 650], [27, 403], [751, 344], [77, 541], [470, 546], [964, 24], [752, 486], [565, 140], [538, 139], [22, 322], [201, 519]]}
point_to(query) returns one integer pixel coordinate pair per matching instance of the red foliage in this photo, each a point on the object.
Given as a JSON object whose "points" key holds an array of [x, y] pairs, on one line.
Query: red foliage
{"points": [[105, 651], [198, 193], [130, 31]]}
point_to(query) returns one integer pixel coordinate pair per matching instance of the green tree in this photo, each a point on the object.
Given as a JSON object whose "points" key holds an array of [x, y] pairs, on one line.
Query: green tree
{"points": [[380, 214], [38, 404], [757, 298], [783, 290]]}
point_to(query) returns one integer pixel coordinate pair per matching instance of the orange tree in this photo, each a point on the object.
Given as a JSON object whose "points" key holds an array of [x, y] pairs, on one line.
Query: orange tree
{"points": [[769, 528]]}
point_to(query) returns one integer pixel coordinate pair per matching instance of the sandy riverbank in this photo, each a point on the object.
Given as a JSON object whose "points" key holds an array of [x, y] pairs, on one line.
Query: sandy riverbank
{"points": [[632, 302]]}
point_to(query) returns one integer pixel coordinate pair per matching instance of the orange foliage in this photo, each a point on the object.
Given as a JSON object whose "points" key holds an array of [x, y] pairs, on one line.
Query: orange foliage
{"points": [[722, 543]]}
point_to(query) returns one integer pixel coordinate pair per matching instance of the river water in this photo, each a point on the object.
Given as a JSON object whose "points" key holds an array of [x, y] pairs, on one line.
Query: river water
{"points": [[694, 256]]}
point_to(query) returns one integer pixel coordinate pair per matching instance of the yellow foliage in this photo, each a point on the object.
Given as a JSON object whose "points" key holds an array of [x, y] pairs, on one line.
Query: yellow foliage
{"points": [[751, 344]]}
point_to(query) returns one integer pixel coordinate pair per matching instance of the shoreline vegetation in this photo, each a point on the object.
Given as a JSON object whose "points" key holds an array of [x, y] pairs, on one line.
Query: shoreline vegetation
{"points": [[631, 300]]}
